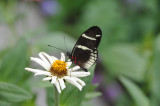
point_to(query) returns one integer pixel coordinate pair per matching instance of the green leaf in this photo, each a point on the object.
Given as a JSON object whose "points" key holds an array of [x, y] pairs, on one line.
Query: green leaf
{"points": [[135, 92], [3, 52], [125, 60], [44, 84], [14, 62], [155, 73], [91, 95], [92, 87], [4, 103], [12, 93]]}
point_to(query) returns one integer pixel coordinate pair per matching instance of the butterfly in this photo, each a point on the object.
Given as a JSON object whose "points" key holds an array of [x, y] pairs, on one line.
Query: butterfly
{"points": [[84, 52]]}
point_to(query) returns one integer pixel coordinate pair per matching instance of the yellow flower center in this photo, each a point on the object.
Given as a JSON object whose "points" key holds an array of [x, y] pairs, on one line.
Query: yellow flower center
{"points": [[58, 68]]}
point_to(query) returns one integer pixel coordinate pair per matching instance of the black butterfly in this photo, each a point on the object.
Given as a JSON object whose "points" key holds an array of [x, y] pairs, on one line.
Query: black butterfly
{"points": [[84, 53]]}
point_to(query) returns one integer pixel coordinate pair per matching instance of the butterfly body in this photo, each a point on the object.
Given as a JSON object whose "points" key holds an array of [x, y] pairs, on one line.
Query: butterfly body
{"points": [[84, 53]]}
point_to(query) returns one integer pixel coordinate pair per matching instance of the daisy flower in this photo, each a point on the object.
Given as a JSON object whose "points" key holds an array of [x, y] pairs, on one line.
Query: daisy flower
{"points": [[58, 71]]}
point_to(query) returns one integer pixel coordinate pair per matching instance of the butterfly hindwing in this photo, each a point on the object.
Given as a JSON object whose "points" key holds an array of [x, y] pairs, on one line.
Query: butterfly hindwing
{"points": [[85, 51]]}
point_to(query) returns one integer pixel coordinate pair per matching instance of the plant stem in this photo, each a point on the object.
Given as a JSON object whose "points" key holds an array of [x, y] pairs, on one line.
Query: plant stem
{"points": [[56, 97]]}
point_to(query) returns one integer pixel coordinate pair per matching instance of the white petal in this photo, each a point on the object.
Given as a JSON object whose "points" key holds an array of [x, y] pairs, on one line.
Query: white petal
{"points": [[68, 64], [79, 81], [79, 74], [54, 58], [75, 68], [40, 62], [43, 73], [62, 57], [73, 82], [57, 86], [49, 57], [54, 79], [47, 78], [34, 70], [61, 82], [69, 72], [44, 59]]}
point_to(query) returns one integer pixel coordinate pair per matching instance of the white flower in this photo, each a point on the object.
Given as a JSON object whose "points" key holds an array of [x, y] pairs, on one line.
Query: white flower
{"points": [[56, 71]]}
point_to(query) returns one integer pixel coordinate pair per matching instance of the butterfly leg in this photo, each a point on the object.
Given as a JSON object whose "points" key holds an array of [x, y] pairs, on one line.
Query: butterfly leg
{"points": [[84, 69]]}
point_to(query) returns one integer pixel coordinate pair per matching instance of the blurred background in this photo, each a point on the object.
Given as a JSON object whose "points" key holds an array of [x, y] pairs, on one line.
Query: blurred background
{"points": [[127, 72]]}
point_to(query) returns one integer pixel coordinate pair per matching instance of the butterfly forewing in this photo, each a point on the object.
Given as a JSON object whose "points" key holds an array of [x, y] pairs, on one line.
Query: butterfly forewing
{"points": [[85, 51]]}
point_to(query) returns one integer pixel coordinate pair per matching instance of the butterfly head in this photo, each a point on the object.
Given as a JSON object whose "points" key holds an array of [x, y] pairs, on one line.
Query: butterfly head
{"points": [[68, 54], [73, 59]]}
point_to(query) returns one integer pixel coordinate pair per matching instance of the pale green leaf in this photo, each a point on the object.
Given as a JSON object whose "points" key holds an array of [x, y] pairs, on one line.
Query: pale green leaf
{"points": [[135, 92], [4, 103], [91, 95], [14, 62], [125, 60], [12, 93]]}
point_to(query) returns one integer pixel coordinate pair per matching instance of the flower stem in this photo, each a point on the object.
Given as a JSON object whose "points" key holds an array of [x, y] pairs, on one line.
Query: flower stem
{"points": [[56, 97]]}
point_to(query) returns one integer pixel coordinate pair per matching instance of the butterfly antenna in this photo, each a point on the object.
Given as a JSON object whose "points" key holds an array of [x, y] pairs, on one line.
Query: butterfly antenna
{"points": [[65, 44], [57, 48]]}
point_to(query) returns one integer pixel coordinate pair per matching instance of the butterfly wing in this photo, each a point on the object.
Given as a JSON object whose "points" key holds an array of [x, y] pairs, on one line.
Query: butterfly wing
{"points": [[85, 51]]}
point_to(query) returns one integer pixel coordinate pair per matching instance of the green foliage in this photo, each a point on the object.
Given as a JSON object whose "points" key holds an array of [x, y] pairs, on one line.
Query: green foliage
{"points": [[91, 93], [13, 74], [155, 72], [124, 59], [13, 63], [135, 92], [3, 103], [129, 49], [13, 94]]}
